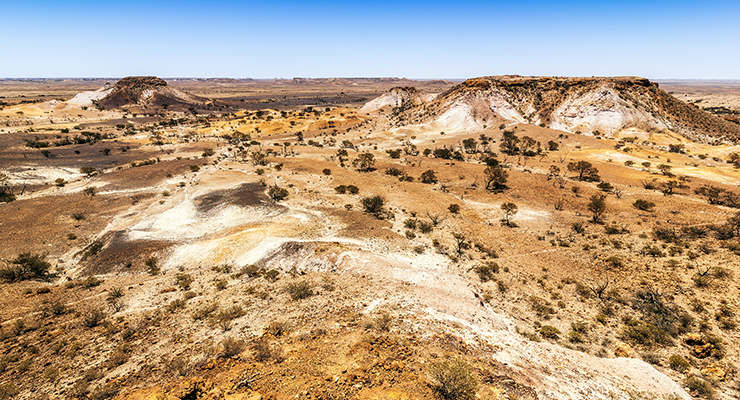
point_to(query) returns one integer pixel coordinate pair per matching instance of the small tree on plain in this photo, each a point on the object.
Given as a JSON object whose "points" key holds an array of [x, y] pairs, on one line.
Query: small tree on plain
{"points": [[597, 207], [586, 171], [496, 178], [509, 209], [364, 162], [374, 205], [428, 176]]}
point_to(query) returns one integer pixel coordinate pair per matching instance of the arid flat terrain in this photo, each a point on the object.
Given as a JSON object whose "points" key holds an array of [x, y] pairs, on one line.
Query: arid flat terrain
{"points": [[498, 238]]}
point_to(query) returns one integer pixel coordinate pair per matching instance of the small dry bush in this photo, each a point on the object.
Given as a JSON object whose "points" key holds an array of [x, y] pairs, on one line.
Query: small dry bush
{"points": [[678, 363], [454, 380], [549, 332], [232, 347], [93, 317], [699, 387], [300, 290], [278, 328]]}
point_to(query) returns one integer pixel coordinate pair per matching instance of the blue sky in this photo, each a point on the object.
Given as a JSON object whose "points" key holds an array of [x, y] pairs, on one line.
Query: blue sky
{"points": [[430, 39]]}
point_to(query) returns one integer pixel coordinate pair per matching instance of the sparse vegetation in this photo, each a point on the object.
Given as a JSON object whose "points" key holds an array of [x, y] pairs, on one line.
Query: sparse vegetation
{"points": [[454, 380], [374, 205], [277, 193]]}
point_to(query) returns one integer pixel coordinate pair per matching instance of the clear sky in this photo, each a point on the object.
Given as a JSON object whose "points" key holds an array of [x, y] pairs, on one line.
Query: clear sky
{"points": [[375, 38]]}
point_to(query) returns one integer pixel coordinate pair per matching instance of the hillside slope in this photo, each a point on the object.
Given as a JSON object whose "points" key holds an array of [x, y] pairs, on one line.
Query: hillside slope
{"points": [[599, 106]]}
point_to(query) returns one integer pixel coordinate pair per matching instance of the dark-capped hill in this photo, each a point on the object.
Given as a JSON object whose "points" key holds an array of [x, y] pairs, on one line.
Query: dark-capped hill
{"points": [[588, 105], [146, 91]]}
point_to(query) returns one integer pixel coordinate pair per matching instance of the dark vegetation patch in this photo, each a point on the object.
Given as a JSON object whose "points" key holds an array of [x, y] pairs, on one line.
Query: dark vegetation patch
{"points": [[115, 253], [245, 195]]}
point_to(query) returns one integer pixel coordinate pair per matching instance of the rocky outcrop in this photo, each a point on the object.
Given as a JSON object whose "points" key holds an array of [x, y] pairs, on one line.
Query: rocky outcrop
{"points": [[403, 97]]}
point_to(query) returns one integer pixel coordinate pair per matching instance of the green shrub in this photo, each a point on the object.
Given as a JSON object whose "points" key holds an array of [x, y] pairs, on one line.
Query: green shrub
{"points": [[645, 334], [454, 380], [221, 284], [678, 363], [698, 386], [643, 205], [90, 282], [549, 332], [575, 337], [300, 290], [272, 275], [277, 328]]}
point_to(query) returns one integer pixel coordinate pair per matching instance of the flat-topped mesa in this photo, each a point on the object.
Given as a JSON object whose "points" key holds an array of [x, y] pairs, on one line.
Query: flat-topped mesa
{"points": [[596, 105], [140, 82], [517, 80]]}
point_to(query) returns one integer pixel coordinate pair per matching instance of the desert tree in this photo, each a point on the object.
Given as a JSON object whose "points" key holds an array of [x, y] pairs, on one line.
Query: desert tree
{"points": [[435, 218], [599, 285], [643, 205], [712, 193], [597, 207], [428, 176], [585, 170], [496, 178], [374, 205], [529, 146], [509, 209], [670, 186], [470, 145], [509, 143], [461, 243], [364, 162], [259, 158], [665, 169]]}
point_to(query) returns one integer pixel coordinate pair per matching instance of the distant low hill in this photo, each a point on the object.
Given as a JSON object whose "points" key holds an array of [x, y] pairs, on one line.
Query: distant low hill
{"points": [[587, 105]]}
